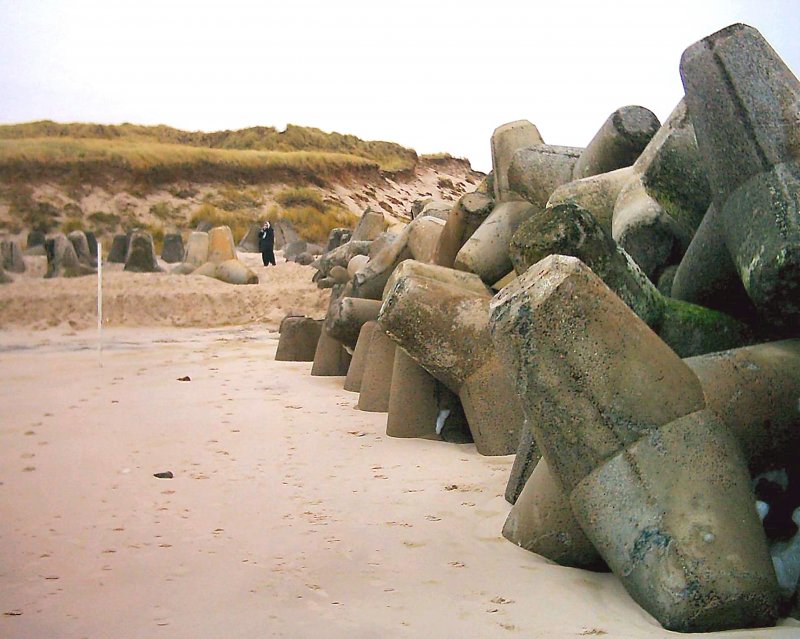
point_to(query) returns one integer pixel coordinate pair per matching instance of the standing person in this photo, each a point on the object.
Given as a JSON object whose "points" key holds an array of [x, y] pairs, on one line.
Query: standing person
{"points": [[266, 242]]}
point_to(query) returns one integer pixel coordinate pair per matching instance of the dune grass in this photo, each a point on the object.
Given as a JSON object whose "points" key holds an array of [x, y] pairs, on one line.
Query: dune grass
{"points": [[158, 163], [388, 156]]}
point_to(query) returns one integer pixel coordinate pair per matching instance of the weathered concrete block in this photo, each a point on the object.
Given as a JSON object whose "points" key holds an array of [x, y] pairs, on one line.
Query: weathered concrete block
{"points": [[541, 521], [298, 340], [618, 143], [438, 209], [347, 316], [197, 248], [141, 257], [423, 237], [673, 173], [330, 358], [119, 248], [536, 171], [376, 381], [172, 250], [486, 251], [445, 329], [567, 229], [11, 256], [337, 237], [234, 272], [466, 216], [597, 194], [62, 261], [460, 279], [572, 344], [755, 391], [293, 249], [646, 232], [356, 263], [507, 139], [525, 460], [687, 542], [339, 275], [81, 245], [691, 330], [35, 238], [370, 225], [370, 280], [355, 372], [421, 406], [221, 247], [742, 99], [248, 244]]}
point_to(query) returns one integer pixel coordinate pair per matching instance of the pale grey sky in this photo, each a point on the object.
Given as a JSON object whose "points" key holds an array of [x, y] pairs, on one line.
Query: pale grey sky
{"points": [[432, 75]]}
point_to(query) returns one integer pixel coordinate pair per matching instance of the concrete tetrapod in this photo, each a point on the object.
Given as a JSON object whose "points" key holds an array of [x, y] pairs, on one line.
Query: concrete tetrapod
{"points": [[600, 389], [466, 216], [506, 140], [298, 340], [355, 373], [618, 143], [330, 357], [536, 171], [753, 390], [445, 329], [486, 251], [422, 406], [567, 229], [377, 378], [742, 99]]}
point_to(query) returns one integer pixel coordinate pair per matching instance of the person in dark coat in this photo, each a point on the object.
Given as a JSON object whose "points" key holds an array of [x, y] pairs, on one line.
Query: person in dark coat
{"points": [[266, 243]]}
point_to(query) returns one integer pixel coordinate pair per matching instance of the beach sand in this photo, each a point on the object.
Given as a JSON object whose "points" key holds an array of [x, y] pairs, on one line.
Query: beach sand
{"points": [[290, 513]]}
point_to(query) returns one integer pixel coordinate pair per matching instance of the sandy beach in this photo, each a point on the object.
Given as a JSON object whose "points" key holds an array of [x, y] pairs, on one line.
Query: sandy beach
{"points": [[289, 514]]}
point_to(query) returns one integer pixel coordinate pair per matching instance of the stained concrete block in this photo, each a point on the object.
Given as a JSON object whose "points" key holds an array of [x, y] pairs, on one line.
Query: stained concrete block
{"points": [[597, 194], [507, 139], [572, 344], [542, 522], [742, 99], [421, 406], [536, 171], [62, 260], [172, 250], [567, 229], [119, 248], [673, 516], [445, 329], [330, 357], [11, 256], [370, 225], [355, 372], [348, 316], [141, 257], [197, 248], [376, 381], [618, 143], [81, 245], [486, 251], [298, 340], [221, 247], [467, 215]]}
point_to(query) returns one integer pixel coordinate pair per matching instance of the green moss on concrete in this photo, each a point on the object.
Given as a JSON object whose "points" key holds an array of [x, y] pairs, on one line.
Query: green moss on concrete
{"points": [[692, 330]]}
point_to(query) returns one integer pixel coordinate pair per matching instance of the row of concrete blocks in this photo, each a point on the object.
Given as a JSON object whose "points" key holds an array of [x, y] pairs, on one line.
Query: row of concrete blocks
{"points": [[387, 379], [677, 485]]}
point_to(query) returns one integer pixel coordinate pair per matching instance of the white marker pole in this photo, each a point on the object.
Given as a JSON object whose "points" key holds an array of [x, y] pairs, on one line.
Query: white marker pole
{"points": [[100, 304]]}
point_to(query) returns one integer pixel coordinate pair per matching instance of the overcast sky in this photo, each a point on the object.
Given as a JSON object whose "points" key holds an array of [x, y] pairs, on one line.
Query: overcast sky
{"points": [[435, 75]]}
